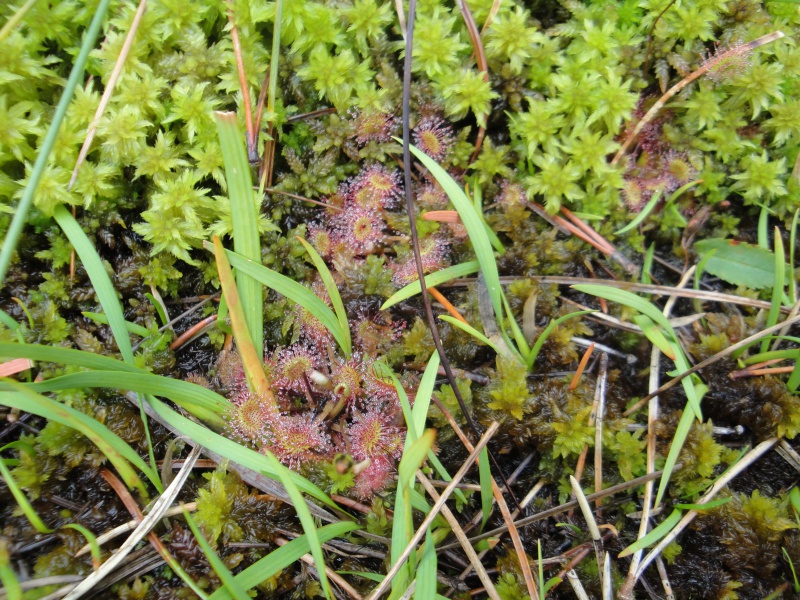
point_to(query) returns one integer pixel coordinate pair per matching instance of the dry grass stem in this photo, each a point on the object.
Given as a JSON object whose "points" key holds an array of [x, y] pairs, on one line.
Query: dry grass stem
{"points": [[474, 559], [588, 515], [420, 533], [598, 428], [156, 514], [195, 330], [576, 584], [109, 90]]}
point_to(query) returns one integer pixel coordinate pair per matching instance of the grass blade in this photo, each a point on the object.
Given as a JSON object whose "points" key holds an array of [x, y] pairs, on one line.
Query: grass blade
{"points": [[251, 358], [91, 541], [225, 576], [287, 478], [485, 480], [473, 224], [432, 280], [777, 287], [117, 451], [653, 536], [296, 292], [244, 214], [22, 500], [201, 402], [75, 77], [133, 328], [426, 571], [66, 356], [546, 333], [8, 578], [472, 331], [333, 293], [100, 281], [653, 333], [643, 214], [277, 560]]}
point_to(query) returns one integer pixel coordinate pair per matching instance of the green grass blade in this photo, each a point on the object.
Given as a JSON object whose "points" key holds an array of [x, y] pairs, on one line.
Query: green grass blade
{"points": [[91, 540], [653, 333], [792, 242], [246, 240], [225, 576], [22, 500], [333, 294], [100, 281], [707, 506], [485, 480], [233, 451], [777, 287], [794, 379], [763, 228], [426, 571], [117, 451], [519, 337], [287, 478], [647, 265], [653, 536], [158, 304], [277, 560], [251, 357], [66, 356], [294, 291], [75, 78], [11, 587], [201, 402], [431, 280], [133, 328], [546, 333], [643, 214], [422, 400], [473, 224], [472, 331]]}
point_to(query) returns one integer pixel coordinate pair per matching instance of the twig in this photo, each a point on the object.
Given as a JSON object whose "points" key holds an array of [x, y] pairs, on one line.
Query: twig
{"points": [[738, 50], [419, 534], [193, 331]]}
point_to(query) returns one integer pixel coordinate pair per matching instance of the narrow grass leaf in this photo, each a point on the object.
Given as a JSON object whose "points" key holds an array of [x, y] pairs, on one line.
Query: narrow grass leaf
{"points": [[333, 293], [244, 214], [158, 304], [22, 500], [655, 535], [647, 265], [707, 506], [792, 242], [99, 277], [251, 357], [643, 214], [121, 455], [485, 480], [426, 571], [763, 228], [201, 402], [422, 400], [681, 433], [472, 331], [11, 586], [277, 560], [232, 451], [376, 577], [473, 224], [519, 337], [75, 78], [66, 356], [225, 576], [432, 280], [777, 287], [537, 346], [91, 541], [294, 291], [653, 333], [794, 379], [287, 478], [133, 328]]}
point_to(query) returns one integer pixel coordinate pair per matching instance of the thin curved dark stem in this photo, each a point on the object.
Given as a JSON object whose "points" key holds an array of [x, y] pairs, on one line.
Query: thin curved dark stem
{"points": [[437, 340]]}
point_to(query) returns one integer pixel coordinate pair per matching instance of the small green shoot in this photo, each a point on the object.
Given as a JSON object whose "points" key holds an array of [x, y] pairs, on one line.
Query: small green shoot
{"points": [[777, 287], [655, 535], [432, 280], [795, 583], [11, 587], [546, 333]]}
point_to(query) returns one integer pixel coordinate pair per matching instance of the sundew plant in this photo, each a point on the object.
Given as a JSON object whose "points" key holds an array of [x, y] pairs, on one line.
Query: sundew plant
{"points": [[215, 216]]}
